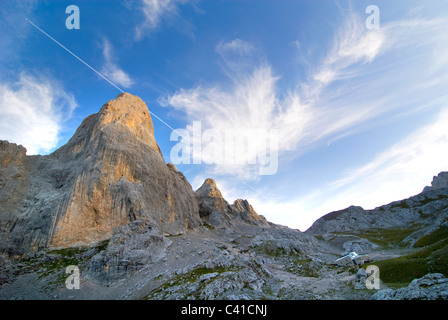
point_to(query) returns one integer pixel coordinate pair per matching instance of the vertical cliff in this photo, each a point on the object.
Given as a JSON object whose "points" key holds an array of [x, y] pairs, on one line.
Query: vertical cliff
{"points": [[110, 173]]}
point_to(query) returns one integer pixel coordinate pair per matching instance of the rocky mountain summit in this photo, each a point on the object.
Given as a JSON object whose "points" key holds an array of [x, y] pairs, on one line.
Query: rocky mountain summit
{"points": [[110, 173], [107, 203], [217, 212]]}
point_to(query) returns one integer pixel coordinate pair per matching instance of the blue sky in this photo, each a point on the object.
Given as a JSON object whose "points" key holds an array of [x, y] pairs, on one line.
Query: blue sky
{"points": [[360, 114]]}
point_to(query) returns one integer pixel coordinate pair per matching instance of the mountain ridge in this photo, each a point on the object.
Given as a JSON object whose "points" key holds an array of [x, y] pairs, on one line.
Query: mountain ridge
{"points": [[110, 173], [107, 203]]}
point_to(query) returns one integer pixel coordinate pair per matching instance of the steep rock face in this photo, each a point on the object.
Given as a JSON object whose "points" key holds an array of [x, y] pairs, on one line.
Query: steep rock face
{"points": [[13, 186], [217, 212], [13, 175], [110, 173]]}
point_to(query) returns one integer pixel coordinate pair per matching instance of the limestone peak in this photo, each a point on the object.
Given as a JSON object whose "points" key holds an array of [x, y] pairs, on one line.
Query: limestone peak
{"points": [[130, 111], [209, 189], [109, 174], [217, 212]]}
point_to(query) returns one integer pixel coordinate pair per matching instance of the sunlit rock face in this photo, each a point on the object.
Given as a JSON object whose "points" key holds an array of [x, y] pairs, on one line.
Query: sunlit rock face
{"points": [[110, 173]]}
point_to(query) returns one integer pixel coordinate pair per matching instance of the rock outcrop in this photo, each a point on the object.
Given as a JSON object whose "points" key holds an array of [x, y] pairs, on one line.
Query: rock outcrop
{"points": [[428, 209], [110, 173], [433, 286], [217, 212], [438, 182], [132, 246]]}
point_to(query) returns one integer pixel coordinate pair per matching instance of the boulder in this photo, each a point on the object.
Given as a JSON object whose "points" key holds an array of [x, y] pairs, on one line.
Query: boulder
{"points": [[433, 286]]}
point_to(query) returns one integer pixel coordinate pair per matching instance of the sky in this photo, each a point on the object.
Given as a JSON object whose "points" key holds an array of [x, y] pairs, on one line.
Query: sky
{"points": [[301, 107]]}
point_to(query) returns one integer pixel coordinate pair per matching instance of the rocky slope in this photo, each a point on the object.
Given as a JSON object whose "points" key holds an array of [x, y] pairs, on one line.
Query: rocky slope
{"points": [[407, 238], [107, 203]]}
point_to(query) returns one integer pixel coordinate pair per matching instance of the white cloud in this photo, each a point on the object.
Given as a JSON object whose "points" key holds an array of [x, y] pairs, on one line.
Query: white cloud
{"points": [[353, 45], [367, 77], [346, 92], [239, 58], [394, 174], [254, 101], [155, 11], [32, 112], [237, 46], [111, 70], [248, 107]]}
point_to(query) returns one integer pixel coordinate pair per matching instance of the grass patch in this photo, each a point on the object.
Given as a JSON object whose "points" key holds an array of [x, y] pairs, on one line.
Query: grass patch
{"points": [[402, 270], [385, 237], [54, 260], [426, 240], [174, 235], [388, 237]]}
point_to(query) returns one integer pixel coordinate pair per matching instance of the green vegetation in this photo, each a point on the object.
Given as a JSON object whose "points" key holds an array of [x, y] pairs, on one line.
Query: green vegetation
{"points": [[301, 265], [383, 237], [401, 271], [209, 226], [186, 281], [439, 234], [297, 262], [401, 204], [55, 262], [428, 200], [388, 237], [271, 249], [174, 235]]}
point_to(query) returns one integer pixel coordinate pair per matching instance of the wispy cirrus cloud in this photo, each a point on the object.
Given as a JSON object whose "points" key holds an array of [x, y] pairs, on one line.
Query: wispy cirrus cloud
{"points": [[111, 69], [33, 110], [344, 92], [366, 78], [155, 12], [239, 58], [352, 44], [396, 173], [237, 46], [255, 101]]}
